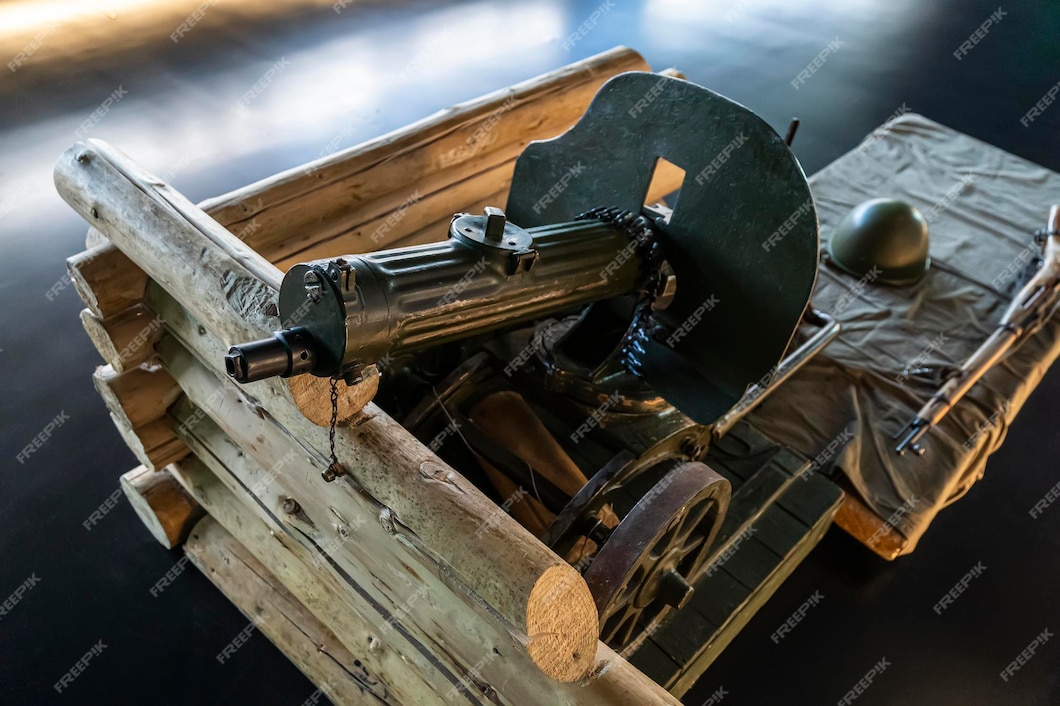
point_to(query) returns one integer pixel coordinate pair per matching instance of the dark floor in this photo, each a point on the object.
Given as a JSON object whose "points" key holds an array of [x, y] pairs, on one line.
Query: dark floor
{"points": [[355, 74]]}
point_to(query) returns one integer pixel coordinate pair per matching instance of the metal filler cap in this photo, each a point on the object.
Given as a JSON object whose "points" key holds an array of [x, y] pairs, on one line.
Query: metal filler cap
{"points": [[492, 231]]}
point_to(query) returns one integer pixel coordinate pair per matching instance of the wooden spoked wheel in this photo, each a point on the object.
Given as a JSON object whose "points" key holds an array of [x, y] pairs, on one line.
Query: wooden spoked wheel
{"points": [[648, 562]]}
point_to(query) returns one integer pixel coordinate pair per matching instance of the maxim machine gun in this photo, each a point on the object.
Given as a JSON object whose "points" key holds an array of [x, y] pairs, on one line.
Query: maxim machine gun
{"points": [[578, 353]]}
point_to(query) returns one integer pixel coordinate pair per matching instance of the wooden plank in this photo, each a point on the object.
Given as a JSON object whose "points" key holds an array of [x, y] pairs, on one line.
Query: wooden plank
{"points": [[864, 525], [274, 611], [752, 563], [749, 500], [680, 639], [779, 531], [718, 595], [162, 504]]}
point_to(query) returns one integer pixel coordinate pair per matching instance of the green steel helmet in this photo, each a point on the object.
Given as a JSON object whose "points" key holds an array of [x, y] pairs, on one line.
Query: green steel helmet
{"points": [[887, 234]]}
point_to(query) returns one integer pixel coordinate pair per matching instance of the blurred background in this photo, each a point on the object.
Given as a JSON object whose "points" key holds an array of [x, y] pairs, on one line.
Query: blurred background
{"points": [[173, 84]]}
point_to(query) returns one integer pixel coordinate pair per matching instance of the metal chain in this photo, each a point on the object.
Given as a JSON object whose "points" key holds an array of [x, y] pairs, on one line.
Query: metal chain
{"points": [[335, 469]]}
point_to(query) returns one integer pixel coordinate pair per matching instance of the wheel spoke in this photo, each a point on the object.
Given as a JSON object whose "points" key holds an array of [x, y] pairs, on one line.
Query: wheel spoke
{"points": [[629, 627]]}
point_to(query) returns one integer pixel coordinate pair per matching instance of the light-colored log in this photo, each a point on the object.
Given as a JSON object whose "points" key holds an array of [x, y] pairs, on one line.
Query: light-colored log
{"points": [[421, 212], [463, 140], [137, 396], [439, 230], [430, 208], [382, 588], [107, 281], [400, 590], [154, 444], [124, 340], [273, 610], [407, 675], [162, 504], [137, 401]]}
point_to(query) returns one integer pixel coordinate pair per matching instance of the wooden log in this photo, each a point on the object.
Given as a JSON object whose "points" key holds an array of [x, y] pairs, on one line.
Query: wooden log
{"points": [[326, 529], [124, 340], [314, 649], [422, 214], [154, 444], [407, 675], [437, 207], [233, 287], [137, 396], [463, 140], [162, 504], [137, 401], [107, 281], [439, 230], [428, 219], [202, 265]]}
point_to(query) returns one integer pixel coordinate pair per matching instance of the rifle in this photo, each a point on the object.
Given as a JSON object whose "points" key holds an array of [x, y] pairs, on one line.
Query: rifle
{"points": [[1029, 310]]}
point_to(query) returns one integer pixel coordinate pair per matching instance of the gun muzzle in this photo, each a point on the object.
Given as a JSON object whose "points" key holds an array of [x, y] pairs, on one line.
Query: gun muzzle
{"points": [[284, 353]]}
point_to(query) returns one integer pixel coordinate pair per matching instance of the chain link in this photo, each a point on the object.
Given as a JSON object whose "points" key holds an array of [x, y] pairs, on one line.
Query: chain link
{"points": [[335, 469]]}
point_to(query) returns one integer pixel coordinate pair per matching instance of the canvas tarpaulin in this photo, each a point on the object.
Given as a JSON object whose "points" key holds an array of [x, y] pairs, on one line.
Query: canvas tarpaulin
{"points": [[982, 206]]}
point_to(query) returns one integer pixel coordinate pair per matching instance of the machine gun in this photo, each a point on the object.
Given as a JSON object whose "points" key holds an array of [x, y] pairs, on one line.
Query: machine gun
{"points": [[607, 335], [1029, 310], [577, 232]]}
